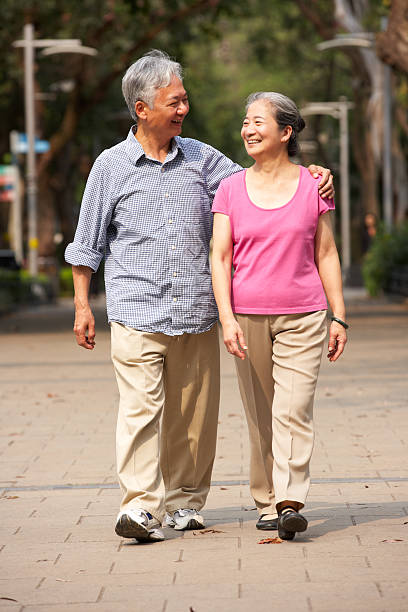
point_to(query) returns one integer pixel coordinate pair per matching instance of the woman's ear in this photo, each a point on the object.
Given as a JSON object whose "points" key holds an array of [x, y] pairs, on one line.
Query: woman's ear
{"points": [[286, 133]]}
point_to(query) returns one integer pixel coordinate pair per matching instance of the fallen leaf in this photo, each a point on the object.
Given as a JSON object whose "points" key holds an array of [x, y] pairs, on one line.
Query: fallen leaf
{"points": [[406, 523], [41, 560], [233, 414], [395, 540], [224, 488], [270, 541], [205, 531], [62, 580], [9, 599], [12, 497], [51, 395]]}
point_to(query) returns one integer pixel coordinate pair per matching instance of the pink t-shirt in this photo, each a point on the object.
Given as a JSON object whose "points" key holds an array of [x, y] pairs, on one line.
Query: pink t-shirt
{"points": [[273, 250]]}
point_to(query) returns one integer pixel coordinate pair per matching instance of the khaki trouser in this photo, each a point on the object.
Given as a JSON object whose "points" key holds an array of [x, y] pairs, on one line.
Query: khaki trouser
{"points": [[167, 420], [277, 381]]}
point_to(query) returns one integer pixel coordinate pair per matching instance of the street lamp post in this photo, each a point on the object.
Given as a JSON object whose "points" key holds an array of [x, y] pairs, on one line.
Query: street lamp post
{"points": [[367, 40], [30, 43], [339, 110]]}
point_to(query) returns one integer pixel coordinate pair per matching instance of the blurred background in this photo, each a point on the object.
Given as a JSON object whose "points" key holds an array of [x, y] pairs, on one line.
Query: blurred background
{"points": [[344, 62]]}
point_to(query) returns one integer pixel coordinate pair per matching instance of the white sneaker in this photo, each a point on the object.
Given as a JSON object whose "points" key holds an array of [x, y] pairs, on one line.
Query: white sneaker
{"points": [[185, 518], [138, 524]]}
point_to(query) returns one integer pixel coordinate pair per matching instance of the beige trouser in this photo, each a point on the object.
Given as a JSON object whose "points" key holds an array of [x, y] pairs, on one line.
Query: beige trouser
{"points": [[277, 381], [167, 420]]}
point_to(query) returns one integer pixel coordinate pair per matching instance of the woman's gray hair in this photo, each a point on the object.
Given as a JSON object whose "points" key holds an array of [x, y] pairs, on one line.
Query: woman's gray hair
{"points": [[285, 112], [143, 78]]}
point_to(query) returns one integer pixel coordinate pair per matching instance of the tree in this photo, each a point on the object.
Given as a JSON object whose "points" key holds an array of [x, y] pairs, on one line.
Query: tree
{"points": [[79, 123], [392, 45]]}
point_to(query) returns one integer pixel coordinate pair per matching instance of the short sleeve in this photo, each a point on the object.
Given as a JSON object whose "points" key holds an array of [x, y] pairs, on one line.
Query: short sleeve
{"points": [[221, 200], [325, 205]]}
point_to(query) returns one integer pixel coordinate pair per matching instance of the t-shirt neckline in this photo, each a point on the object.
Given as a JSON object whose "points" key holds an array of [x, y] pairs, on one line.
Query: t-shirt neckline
{"points": [[278, 207]]}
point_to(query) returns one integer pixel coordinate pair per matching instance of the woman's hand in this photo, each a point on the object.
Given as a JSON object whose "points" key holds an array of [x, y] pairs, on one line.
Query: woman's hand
{"points": [[337, 341], [234, 338]]}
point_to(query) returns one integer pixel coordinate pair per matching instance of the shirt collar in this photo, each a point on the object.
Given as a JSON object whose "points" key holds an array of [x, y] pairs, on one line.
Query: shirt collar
{"points": [[135, 150]]}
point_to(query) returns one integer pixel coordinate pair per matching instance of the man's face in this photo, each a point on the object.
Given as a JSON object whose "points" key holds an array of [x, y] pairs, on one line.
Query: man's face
{"points": [[169, 109]]}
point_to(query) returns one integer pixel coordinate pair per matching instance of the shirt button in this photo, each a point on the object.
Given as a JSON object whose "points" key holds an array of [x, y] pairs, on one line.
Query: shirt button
{"points": [[162, 170], [173, 247], [174, 299], [170, 220], [166, 195], [174, 273]]}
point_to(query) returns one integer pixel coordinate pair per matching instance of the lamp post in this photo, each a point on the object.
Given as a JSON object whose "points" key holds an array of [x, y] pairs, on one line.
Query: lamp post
{"points": [[30, 43], [339, 110], [367, 40]]}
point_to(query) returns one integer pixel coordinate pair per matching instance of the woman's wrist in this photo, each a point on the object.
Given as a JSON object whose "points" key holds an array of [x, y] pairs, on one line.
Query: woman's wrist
{"points": [[339, 320]]}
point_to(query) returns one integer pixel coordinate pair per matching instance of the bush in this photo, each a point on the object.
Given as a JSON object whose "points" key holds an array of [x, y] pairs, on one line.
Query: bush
{"points": [[66, 284], [18, 287], [386, 260]]}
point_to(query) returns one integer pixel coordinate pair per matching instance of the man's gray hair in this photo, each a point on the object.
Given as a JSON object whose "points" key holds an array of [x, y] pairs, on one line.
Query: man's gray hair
{"points": [[285, 112], [143, 78]]}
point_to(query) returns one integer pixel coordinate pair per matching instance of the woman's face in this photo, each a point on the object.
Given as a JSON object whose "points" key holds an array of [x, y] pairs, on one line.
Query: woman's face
{"points": [[261, 132]]}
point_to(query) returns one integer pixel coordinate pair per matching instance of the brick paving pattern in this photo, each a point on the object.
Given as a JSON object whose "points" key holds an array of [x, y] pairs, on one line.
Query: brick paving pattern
{"points": [[59, 498]]}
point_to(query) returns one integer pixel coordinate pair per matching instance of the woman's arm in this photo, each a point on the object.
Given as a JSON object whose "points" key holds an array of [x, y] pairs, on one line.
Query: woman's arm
{"points": [[328, 265], [221, 278]]}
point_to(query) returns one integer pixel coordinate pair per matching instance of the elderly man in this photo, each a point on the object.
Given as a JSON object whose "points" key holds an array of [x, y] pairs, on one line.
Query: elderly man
{"points": [[147, 209]]}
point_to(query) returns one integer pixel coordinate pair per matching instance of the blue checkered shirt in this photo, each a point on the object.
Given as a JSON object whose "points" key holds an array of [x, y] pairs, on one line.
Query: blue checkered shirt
{"points": [[152, 222]]}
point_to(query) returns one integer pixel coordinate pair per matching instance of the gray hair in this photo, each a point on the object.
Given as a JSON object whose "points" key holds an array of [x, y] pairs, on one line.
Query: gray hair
{"points": [[143, 78], [285, 112]]}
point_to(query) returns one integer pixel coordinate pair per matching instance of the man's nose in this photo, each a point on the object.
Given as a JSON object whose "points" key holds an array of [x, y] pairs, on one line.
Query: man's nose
{"points": [[182, 108]]}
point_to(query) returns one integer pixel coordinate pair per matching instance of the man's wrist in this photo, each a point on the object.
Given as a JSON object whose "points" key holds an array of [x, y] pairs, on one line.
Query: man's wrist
{"points": [[81, 303]]}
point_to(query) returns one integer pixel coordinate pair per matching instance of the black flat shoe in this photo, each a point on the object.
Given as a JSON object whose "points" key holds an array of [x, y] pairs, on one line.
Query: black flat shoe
{"points": [[290, 522], [267, 524]]}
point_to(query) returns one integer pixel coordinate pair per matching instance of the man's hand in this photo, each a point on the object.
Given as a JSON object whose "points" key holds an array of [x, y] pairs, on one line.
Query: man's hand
{"points": [[326, 189], [84, 327]]}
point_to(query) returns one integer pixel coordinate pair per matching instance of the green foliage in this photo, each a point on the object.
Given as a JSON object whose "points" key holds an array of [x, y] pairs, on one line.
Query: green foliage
{"points": [[387, 255], [17, 288], [66, 284]]}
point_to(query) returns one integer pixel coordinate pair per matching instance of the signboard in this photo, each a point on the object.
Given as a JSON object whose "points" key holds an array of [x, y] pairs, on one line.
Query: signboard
{"points": [[19, 143], [8, 179]]}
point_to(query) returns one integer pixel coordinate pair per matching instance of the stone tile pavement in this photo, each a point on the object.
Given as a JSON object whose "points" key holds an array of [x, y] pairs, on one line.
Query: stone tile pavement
{"points": [[59, 499]]}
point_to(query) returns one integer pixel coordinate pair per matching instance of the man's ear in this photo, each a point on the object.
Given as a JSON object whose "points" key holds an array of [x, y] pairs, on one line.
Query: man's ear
{"points": [[140, 109]]}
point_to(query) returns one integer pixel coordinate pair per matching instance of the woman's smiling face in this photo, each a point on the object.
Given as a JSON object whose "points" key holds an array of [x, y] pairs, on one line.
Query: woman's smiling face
{"points": [[261, 132]]}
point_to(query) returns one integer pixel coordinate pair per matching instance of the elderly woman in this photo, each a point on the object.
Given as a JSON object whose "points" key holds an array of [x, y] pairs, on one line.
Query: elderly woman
{"points": [[272, 226]]}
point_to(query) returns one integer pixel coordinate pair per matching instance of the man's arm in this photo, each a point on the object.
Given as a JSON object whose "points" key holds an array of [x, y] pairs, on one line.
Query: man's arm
{"points": [[84, 325], [87, 250]]}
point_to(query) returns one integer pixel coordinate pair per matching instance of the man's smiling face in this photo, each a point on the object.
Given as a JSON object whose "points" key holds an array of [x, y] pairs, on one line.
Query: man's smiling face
{"points": [[169, 109]]}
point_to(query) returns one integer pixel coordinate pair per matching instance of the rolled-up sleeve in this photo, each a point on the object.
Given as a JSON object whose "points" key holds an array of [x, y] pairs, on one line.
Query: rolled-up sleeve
{"points": [[88, 247]]}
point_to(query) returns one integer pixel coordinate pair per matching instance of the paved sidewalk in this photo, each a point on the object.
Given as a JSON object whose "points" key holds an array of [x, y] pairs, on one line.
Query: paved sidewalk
{"points": [[59, 499]]}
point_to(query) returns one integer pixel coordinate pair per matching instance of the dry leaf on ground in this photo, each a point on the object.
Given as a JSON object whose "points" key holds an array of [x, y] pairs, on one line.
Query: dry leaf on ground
{"points": [[205, 531], [393, 540], [270, 541], [9, 599]]}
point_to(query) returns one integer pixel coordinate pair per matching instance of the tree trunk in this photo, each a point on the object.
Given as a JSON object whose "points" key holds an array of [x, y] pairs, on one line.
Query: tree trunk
{"points": [[392, 45]]}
